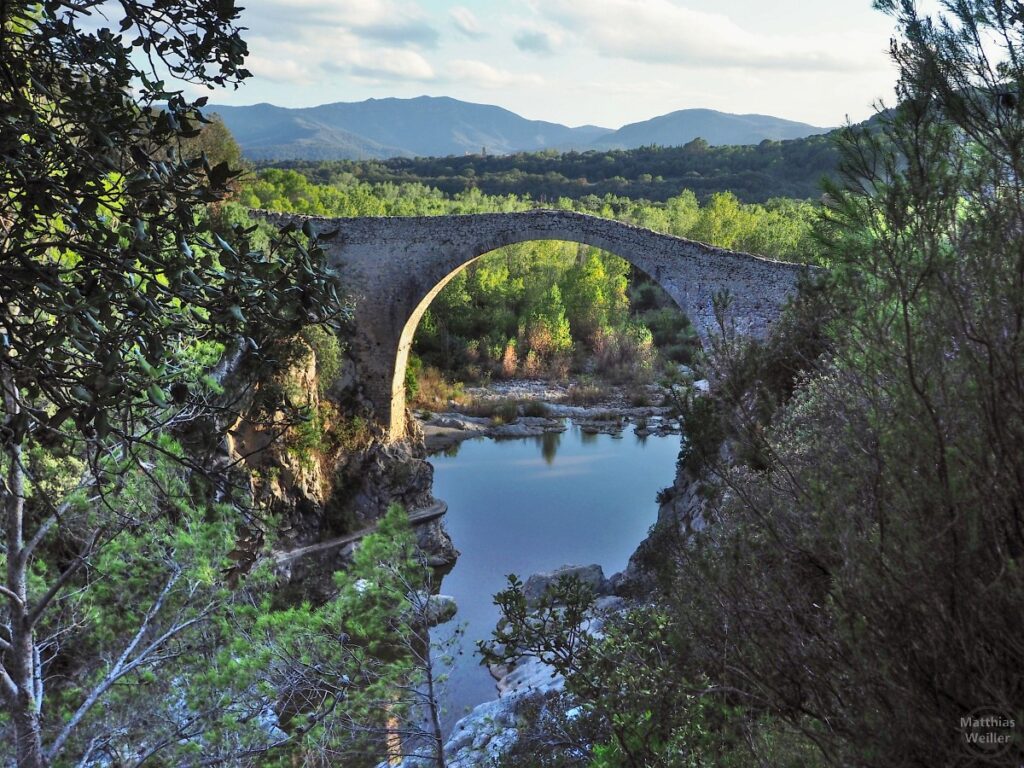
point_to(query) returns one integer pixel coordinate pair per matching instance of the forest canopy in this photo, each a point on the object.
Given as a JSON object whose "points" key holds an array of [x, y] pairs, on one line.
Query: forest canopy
{"points": [[755, 173]]}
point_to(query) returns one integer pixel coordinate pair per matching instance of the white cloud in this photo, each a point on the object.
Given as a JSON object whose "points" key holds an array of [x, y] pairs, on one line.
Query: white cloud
{"points": [[312, 42], [390, 21], [665, 32], [483, 75], [278, 70], [389, 64], [466, 22]]}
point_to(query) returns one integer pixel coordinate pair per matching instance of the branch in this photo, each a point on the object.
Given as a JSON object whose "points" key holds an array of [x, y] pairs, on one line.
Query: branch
{"points": [[12, 596], [37, 611], [7, 686], [96, 741], [52, 520], [121, 666]]}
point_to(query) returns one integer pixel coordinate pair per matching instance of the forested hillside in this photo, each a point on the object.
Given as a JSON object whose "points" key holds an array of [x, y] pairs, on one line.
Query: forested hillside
{"points": [[429, 126], [754, 173]]}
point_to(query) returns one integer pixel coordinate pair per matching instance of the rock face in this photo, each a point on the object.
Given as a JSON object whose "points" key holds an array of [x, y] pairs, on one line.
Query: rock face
{"points": [[484, 734], [330, 476], [682, 512], [441, 608], [295, 484]]}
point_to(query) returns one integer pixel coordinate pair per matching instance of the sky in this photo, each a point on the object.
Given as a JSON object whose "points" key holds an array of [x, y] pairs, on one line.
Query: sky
{"points": [[602, 62]]}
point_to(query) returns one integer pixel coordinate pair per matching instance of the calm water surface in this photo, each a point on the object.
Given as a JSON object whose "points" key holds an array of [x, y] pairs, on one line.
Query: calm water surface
{"points": [[528, 505]]}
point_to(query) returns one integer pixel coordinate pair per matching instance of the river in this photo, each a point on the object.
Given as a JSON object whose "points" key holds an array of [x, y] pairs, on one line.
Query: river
{"points": [[533, 504]]}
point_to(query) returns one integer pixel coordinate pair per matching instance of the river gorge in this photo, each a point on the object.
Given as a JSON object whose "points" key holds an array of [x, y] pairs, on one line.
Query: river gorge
{"points": [[574, 494]]}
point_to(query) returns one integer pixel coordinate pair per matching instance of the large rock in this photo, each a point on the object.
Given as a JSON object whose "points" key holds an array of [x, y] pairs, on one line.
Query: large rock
{"points": [[480, 738], [682, 512], [530, 675], [440, 608], [539, 583]]}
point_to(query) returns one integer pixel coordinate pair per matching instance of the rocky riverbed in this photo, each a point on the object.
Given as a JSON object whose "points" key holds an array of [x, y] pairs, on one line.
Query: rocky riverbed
{"points": [[614, 411]]}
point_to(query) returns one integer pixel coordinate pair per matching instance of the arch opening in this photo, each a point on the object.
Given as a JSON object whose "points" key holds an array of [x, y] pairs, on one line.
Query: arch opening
{"points": [[645, 289]]}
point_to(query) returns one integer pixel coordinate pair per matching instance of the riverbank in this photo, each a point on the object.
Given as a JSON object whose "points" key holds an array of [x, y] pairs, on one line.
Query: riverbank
{"points": [[532, 408]]}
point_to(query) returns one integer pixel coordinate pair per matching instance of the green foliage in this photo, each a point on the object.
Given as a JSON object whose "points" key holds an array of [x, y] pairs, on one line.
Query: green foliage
{"points": [[112, 268], [754, 173], [636, 698], [413, 369], [127, 303], [340, 675], [214, 142], [162, 573], [328, 354]]}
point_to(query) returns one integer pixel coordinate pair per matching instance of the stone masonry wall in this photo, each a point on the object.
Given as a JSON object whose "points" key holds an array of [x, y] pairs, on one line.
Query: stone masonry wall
{"points": [[393, 267]]}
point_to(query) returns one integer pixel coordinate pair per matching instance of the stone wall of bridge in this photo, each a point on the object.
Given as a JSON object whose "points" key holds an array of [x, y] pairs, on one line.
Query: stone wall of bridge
{"points": [[393, 267]]}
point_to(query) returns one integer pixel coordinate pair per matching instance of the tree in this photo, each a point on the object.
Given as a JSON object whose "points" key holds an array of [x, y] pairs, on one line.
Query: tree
{"points": [[358, 679], [118, 297], [860, 574], [215, 142]]}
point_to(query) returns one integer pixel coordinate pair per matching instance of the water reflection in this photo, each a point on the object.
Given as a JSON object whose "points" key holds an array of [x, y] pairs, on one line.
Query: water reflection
{"points": [[527, 505], [549, 443]]}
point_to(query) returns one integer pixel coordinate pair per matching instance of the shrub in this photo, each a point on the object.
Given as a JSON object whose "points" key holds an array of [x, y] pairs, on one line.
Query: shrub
{"points": [[532, 367], [509, 360], [412, 374], [434, 391], [625, 355], [639, 398], [586, 394], [535, 408], [505, 411], [327, 351]]}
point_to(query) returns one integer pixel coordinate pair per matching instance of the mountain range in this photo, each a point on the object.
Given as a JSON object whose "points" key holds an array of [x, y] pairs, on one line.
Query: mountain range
{"points": [[430, 126]]}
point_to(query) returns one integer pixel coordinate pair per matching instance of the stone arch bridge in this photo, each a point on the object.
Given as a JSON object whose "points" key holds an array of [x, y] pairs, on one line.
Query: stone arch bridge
{"points": [[393, 267]]}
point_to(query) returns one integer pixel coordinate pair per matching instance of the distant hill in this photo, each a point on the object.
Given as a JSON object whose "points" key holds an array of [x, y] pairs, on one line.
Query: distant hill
{"points": [[381, 128], [439, 126], [717, 128]]}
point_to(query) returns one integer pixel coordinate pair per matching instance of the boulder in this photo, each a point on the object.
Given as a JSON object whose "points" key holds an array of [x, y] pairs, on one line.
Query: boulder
{"points": [[538, 583], [440, 608]]}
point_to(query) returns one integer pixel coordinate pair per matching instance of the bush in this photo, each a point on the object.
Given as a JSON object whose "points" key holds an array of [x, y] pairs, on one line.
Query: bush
{"points": [[625, 355], [412, 377], [639, 398], [327, 349], [505, 412], [509, 360], [535, 408], [586, 394], [434, 392]]}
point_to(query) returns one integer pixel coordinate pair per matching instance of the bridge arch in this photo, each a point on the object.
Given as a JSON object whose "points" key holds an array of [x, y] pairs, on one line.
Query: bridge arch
{"points": [[393, 267]]}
